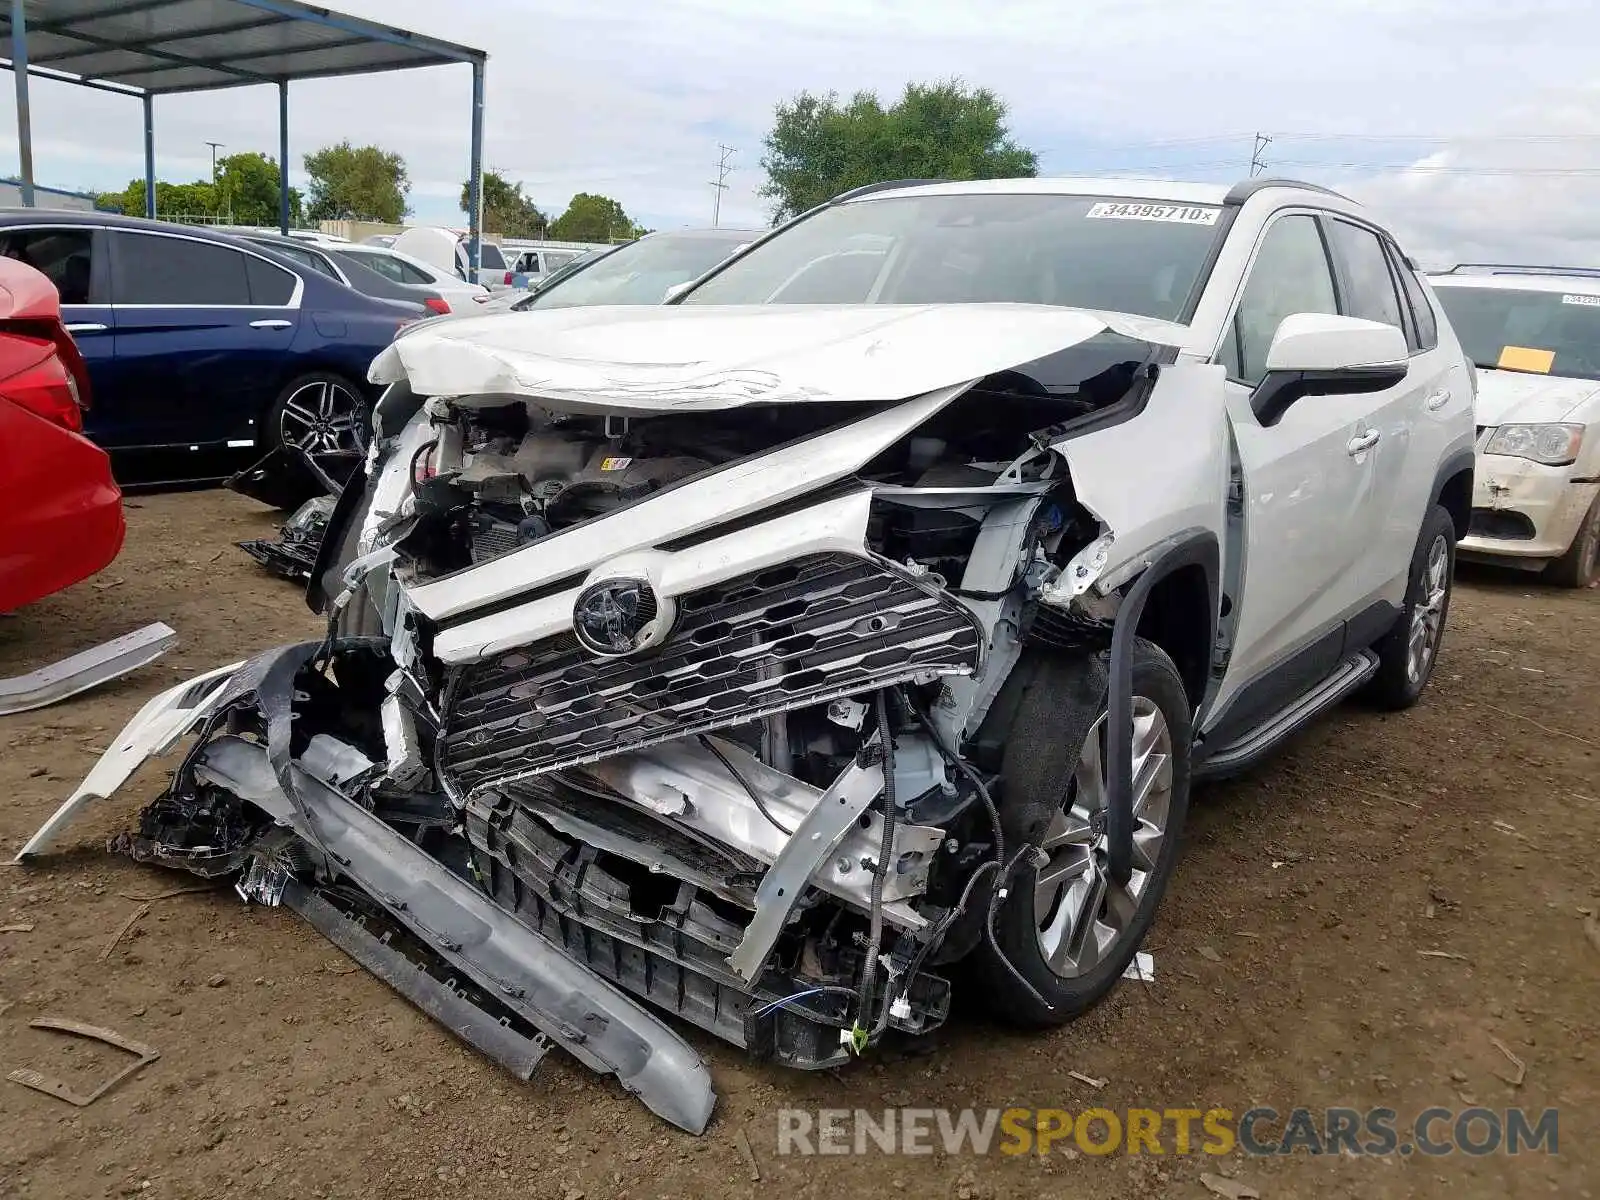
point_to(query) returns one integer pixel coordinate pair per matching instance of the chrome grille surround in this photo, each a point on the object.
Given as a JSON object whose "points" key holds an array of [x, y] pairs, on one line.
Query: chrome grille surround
{"points": [[803, 632]]}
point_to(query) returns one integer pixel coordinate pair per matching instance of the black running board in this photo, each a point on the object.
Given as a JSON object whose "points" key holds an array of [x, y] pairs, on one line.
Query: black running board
{"points": [[1247, 750]]}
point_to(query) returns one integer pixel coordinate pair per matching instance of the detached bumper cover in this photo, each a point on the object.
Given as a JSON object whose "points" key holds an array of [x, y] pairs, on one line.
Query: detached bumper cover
{"points": [[524, 971], [574, 1008]]}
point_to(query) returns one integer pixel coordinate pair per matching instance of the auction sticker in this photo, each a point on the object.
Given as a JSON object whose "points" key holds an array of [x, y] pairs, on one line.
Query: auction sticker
{"points": [[1181, 214], [1588, 300]]}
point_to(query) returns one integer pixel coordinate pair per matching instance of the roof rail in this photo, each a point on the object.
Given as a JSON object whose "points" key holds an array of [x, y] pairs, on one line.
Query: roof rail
{"points": [[1245, 188], [1517, 269], [886, 185]]}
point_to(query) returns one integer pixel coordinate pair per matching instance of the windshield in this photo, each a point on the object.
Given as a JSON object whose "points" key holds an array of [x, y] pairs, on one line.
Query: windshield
{"points": [[1139, 257], [1549, 333], [638, 273]]}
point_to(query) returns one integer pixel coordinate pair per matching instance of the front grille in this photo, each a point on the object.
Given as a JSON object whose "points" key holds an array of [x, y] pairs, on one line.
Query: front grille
{"points": [[819, 627]]}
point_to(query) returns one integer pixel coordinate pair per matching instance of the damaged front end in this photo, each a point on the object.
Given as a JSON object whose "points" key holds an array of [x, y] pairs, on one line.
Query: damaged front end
{"points": [[669, 684]]}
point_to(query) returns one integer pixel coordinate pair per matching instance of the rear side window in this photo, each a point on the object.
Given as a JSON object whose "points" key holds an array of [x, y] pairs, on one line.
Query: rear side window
{"points": [[490, 255], [388, 267], [1367, 286], [62, 255], [269, 284], [410, 274], [153, 269], [1427, 325]]}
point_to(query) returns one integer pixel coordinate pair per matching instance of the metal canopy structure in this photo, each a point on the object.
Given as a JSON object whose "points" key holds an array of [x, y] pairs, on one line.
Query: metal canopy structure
{"points": [[150, 48]]}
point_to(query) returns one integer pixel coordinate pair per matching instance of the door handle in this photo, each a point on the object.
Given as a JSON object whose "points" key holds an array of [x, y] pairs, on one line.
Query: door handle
{"points": [[1363, 442], [274, 323], [86, 327], [1439, 399]]}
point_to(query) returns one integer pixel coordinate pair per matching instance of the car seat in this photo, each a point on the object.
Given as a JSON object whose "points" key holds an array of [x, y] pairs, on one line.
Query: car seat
{"points": [[74, 282]]}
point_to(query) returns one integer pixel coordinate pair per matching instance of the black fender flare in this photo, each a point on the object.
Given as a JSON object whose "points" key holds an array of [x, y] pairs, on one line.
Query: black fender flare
{"points": [[1464, 460], [1190, 547]]}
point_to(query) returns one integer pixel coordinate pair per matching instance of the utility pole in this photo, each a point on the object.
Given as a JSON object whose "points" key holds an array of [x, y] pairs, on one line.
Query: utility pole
{"points": [[215, 146], [1257, 163], [721, 185]]}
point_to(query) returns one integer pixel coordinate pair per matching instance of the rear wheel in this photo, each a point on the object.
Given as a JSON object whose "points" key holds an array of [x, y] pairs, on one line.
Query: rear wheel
{"points": [[1066, 926], [325, 417], [1580, 565]]}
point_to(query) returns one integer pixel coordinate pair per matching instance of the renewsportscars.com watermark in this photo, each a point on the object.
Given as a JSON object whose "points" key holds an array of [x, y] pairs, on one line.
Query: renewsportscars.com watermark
{"points": [[1258, 1131]]}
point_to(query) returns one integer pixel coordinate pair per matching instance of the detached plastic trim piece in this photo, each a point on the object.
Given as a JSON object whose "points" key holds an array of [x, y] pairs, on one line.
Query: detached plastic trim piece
{"points": [[85, 670]]}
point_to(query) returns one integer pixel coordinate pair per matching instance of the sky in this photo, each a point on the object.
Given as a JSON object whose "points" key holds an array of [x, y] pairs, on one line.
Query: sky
{"points": [[1471, 127]]}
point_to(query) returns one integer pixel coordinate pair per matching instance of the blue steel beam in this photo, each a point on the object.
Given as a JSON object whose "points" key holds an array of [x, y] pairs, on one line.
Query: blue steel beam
{"points": [[475, 215], [149, 156], [19, 50], [283, 157]]}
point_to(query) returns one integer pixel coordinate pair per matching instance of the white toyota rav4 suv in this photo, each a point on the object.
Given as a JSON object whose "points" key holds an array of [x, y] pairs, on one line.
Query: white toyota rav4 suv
{"points": [[848, 628], [1534, 333]]}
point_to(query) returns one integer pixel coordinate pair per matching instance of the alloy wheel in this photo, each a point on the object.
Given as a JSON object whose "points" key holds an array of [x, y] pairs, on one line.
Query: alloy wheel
{"points": [[1427, 616], [323, 417], [1080, 911]]}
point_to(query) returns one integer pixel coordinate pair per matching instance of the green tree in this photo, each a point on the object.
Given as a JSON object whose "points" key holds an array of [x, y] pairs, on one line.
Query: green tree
{"points": [[591, 218], [362, 183], [247, 191], [506, 211], [173, 200], [819, 147]]}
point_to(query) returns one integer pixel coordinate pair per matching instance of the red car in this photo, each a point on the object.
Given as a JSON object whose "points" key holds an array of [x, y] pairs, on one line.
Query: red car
{"points": [[60, 510]]}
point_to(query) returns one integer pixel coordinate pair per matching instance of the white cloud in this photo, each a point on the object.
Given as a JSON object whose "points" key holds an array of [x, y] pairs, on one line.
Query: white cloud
{"points": [[632, 97], [1525, 190]]}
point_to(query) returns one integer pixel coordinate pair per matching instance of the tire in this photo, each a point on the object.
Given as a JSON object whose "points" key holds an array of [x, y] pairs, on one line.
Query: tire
{"points": [[1579, 567], [1044, 770], [1408, 653], [324, 414]]}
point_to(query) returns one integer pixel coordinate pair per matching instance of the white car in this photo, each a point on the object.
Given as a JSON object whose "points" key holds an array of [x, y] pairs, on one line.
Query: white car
{"points": [[449, 250], [847, 629], [403, 268], [1534, 334]]}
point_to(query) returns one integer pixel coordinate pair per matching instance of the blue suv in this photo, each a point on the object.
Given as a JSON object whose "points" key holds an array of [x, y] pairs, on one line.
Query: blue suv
{"points": [[199, 340]]}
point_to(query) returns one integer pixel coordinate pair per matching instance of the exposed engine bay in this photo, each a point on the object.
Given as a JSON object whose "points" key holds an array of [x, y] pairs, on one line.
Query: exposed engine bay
{"points": [[696, 705]]}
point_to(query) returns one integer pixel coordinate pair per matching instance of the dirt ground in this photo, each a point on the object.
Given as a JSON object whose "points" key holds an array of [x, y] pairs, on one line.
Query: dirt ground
{"points": [[1297, 961]]}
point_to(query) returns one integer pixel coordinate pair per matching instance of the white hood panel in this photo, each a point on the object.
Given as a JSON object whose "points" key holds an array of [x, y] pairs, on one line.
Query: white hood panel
{"points": [[650, 358], [1506, 397]]}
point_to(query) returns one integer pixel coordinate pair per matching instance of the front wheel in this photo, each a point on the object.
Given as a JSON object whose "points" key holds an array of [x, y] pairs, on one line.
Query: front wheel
{"points": [[1580, 565], [325, 417], [1066, 926]]}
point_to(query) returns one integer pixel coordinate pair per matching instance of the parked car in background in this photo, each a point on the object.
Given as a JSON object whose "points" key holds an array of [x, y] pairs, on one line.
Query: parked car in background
{"points": [[402, 268], [380, 239], [1534, 335], [337, 263], [531, 265], [447, 250], [643, 271], [197, 339], [60, 510]]}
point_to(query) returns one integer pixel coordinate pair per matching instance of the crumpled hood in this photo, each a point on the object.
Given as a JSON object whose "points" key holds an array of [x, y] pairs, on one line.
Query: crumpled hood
{"points": [[1522, 398], [705, 357]]}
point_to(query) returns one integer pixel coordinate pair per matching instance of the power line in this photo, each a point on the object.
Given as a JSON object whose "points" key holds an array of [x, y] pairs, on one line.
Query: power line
{"points": [[1258, 164], [721, 185]]}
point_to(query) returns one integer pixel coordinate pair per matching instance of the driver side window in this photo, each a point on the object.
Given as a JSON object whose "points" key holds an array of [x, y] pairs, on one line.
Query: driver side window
{"points": [[1290, 275]]}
